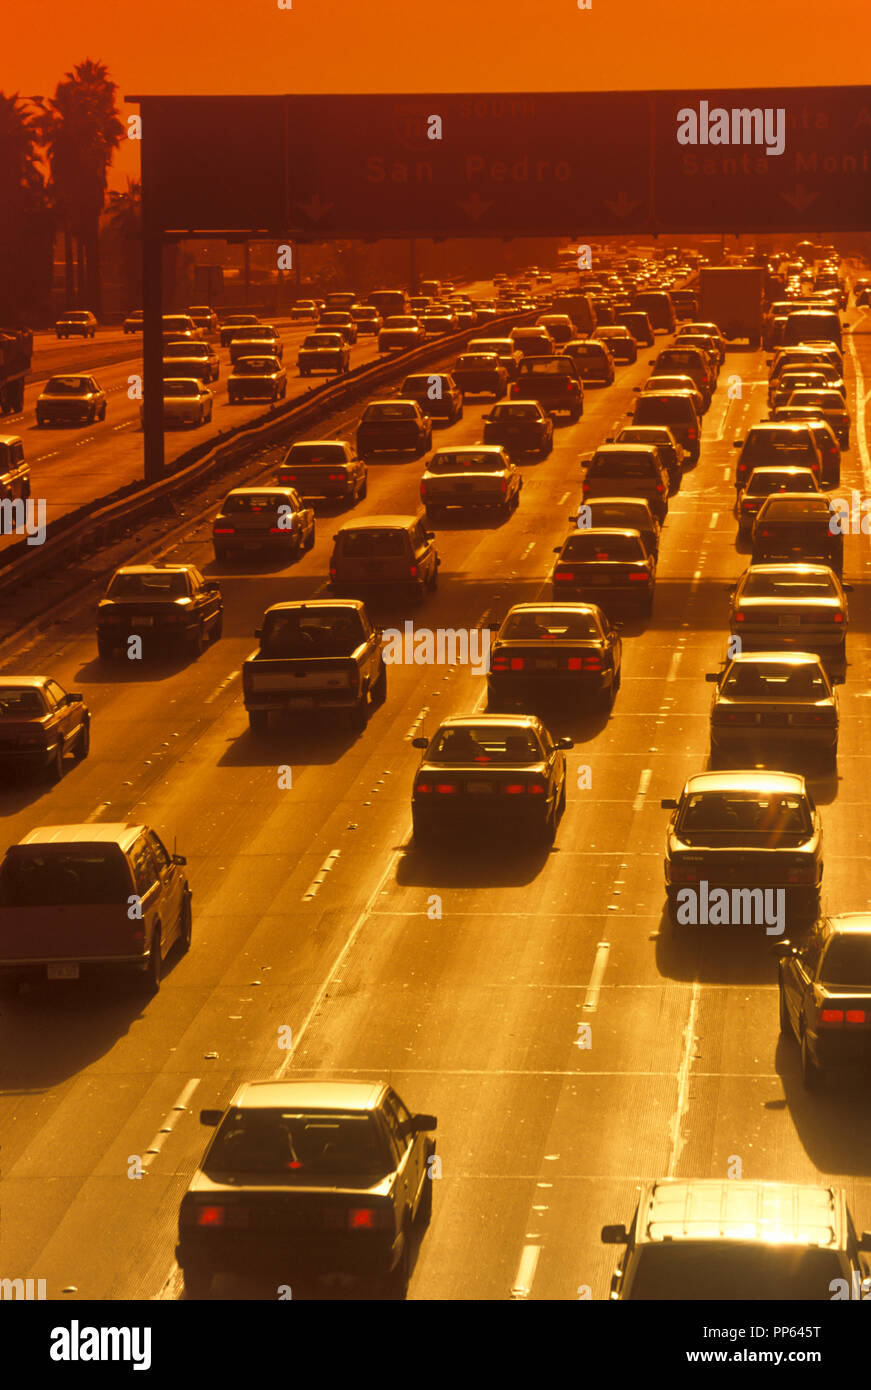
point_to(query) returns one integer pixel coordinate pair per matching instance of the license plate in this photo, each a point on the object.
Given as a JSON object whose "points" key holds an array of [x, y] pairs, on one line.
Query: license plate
{"points": [[777, 721], [63, 972], [789, 620], [144, 622], [596, 579], [542, 664], [300, 701], [479, 788]]}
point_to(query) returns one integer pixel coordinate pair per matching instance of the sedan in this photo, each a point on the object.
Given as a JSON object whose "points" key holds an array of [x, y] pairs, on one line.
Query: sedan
{"points": [[708, 330], [133, 322], [762, 483], [163, 606], [337, 321], [80, 322], [654, 385], [186, 401], [472, 476], [394, 426], [621, 342], [304, 309], [257, 378], [593, 359], [793, 607], [554, 649], [831, 405], [261, 340], [478, 373], [608, 565], [671, 451], [504, 349], [768, 704], [401, 339], [235, 324], [735, 832], [191, 359], [437, 394], [624, 513], [323, 352], [824, 991], [520, 427], [500, 772], [70, 400], [271, 519], [39, 723], [794, 527]]}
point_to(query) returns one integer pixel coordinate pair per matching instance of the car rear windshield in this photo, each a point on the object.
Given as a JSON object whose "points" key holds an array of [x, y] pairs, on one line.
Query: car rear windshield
{"points": [[483, 744], [67, 386], [148, 586], [628, 465], [777, 678], [301, 1146], [551, 366], [17, 701], [515, 412], [253, 502], [466, 460], [57, 876], [715, 1269], [829, 400], [481, 361], [313, 632], [186, 350], [593, 545], [399, 411], [755, 817], [679, 357], [314, 453], [847, 960], [761, 484], [656, 411], [181, 388], [422, 383], [256, 366], [376, 544], [766, 444], [547, 626], [789, 586], [322, 340], [793, 508], [634, 515]]}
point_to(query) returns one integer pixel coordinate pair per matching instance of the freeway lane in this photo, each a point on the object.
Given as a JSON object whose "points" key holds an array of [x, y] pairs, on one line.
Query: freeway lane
{"points": [[473, 1015]]}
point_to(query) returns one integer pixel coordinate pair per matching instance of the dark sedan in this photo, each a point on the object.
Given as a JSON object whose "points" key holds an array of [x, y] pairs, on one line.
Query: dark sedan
{"points": [[824, 988], [609, 566], [566, 650], [520, 427]]}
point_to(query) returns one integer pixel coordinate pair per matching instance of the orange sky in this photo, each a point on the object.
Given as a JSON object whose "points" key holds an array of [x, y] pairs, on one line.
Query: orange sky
{"points": [[215, 46]]}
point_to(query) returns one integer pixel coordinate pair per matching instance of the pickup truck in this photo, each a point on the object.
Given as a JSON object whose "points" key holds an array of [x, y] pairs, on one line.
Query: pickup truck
{"points": [[323, 654]]}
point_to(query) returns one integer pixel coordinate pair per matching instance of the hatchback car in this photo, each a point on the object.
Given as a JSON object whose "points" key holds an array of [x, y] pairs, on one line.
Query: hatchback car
{"points": [[593, 360]]}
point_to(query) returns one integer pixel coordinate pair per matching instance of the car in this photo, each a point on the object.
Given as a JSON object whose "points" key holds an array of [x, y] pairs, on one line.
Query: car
{"points": [[504, 349], [772, 443], [765, 481], [185, 358], [186, 401], [519, 427], [257, 378], [824, 435], [559, 326], [204, 318], [233, 324], [384, 554], [737, 831], [627, 470], [324, 470], [107, 898], [719, 1239], [657, 305], [436, 324], [830, 403], [805, 355], [797, 526], [553, 382], [39, 723], [813, 325], [621, 342], [685, 303], [610, 565], [178, 326], [323, 352], [708, 330], [401, 339], [818, 376], [639, 326], [134, 321], [394, 426], [339, 321], [671, 452], [564, 650], [625, 513], [687, 362], [14, 469], [273, 519], [76, 322], [478, 373], [437, 394], [257, 341], [334, 1178], [70, 400], [824, 995], [798, 607], [367, 319], [167, 607], [656, 385], [532, 342], [708, 346], [593, 359], [771, 704], [498, 772], [307, 309], [470, 476]]}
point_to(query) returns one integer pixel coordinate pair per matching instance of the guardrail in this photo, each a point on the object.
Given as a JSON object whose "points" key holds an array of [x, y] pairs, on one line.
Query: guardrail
{"points": [[85, 529]]}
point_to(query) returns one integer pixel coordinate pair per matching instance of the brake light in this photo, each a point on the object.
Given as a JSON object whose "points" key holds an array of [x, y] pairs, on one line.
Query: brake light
{"points": [[575, 663], [333, 571], [659, 487], [423, 787], [223, 531], [691, 433], [739, 618], [514, 788], [335, 477], [211, 1216], [837, 616], [564, 576], [499, 663], [593, 663], [503, 483], [447, 788], [517, 663], [832, 1016], [640, 574], [412, 570], [423, 489], [802, 872], [361, 1219], [856, 1016]]}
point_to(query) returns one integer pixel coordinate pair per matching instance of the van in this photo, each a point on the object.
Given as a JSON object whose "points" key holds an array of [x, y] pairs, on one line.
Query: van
{"points": [[674, 409], [659, 308], [384, 553], [76, 899], [812, 326], [580, 310]]}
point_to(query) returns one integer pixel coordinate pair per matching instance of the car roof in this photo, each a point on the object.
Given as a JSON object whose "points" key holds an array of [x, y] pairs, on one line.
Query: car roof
{"points": [[299, 604], [675, 1209], [601, 531], [804, 567], [617, 502], [274, 487], [26, 682], [747, 779], [8, 439], [847, 923], [570, 608], [631, 446], [309, 1095], [319, 442], [114, 833], [790, 658], [471, 448], [152, 569], [367, 523]]}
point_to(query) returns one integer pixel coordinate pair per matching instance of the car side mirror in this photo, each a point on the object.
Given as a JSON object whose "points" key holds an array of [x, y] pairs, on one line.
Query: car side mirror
{"points": [[736, 443], [212, 586], [73, 697], [420, 742], [668, 803], [615, 1235], [565, 743], [848, 588], [865, 1240], [418, 1124], [430, 535], [179, 859], [712, 676], [211, 1117], [629, 414]]}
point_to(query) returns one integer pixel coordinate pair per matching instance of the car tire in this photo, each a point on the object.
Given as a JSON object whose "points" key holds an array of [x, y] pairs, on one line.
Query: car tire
{"points": [[55, 768], [197, 1281], [363, 490], [379, 689], [83, 742], [103, 412], [154, 973], [91, 416], [547, 830], [217, 628], [198, 641], [561, 804], [185, 926]]}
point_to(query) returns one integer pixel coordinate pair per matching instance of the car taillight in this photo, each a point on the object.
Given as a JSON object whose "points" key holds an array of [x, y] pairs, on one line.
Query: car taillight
{"points": [[333, 571], [211, 1216], [832, 1016], [837, 616], [640, 574], [361, 1219], [575, 663], [412, 570], [223, 531], [692, 434], [423, 787], [684, 873], [803, 871], [856, 1016], [423, 489], [447, 788], [564, 576], [503, 484], [513, 788], [499, 663]]}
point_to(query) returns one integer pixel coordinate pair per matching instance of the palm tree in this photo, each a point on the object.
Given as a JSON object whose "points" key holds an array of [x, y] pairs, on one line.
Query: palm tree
{"points": [[25, 220], [81, 130]]}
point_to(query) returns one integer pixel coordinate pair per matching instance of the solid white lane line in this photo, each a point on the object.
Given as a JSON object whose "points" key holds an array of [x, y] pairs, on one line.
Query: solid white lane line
{"points": [[525, 1271], [683, 1086], [673, 665], [591, 998], [713, 521], [643, 784]]}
